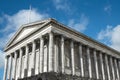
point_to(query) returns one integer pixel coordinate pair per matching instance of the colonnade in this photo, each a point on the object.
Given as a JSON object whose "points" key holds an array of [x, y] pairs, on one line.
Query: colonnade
{"points": [[101, 60]]}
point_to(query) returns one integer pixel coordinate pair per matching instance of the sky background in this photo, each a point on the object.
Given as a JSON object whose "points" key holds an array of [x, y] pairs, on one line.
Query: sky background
{"points": [[98, 19]]}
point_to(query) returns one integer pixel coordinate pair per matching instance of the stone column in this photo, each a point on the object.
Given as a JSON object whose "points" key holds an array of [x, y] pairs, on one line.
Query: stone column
{"points": [[113, 72], [62, 54], [51, 53], [106, 62], [89, 62], [14, 72], [41, 54], [27, 57], [96, 64], [56, 55], [72, 57], [20, 63], [10, 67], [116, 67], [5, 68], [33, 59], [102, 66], [81, 60]]}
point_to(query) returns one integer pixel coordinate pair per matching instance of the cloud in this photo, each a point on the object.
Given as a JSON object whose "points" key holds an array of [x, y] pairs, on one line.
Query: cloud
{"points": [[61, 5], [108, 9], [1, 59], [13, 22], [111, 35], [79, 25]]}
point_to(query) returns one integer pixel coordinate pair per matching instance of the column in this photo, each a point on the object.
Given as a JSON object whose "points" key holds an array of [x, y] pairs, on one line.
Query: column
{"points": [[89, 62], [10, 66], [14, 72], [56, 55], [72, 57], [116, 67], [81, 60], [106, 62], [62, 54], [102, 66], [51, 53], [27, 57], [20, 63], [5, 68], [111, 63], [33, 55], [41, 54], [96, 64]]}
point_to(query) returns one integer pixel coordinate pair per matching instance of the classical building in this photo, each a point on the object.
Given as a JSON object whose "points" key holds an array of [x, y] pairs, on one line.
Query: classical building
{"points": [[48, 50]]}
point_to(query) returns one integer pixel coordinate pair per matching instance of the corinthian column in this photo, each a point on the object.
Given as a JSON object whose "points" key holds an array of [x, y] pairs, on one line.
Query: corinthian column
{"points": [[20, 63], [111, 63], [81, 60], [10, 67], [51, 53], [108, 72], [89, 62], [41, 54], [26, 65], [102, 66], [14, 72], [62, 54], [96, 64], [6, 68], [116, 67], [72, 58]]}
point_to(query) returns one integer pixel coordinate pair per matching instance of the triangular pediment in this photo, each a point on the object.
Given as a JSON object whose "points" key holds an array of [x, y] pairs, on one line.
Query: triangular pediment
{"points": [[25, 31]]}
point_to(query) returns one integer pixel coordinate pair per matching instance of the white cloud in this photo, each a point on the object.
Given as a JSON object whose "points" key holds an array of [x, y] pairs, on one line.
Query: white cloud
{"points": [[108, 9], [79, 25], [112, 36], [61, 5], [13, 22], [1, 59]]}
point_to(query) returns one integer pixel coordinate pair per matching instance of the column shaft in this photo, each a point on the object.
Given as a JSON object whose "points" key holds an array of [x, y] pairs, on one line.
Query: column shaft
{"points": [[10, 66], [51, 53], [6, 68], [62, 54], [27, 58], [20, 63], [113, 73], [14, 74], [102, 66], [41, 54], [89, 62], [33, 55], [108, 72], [72, 57], [116, 67], [81, 60], [96, 64]]}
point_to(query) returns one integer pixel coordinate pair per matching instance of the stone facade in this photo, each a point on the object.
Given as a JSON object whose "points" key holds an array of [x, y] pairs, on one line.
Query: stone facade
{"points": [[48, 50]]}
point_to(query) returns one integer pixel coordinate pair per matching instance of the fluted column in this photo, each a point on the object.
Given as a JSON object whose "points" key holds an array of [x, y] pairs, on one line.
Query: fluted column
{"points": [[89, 62], [33, 56], [96, 64], [20, 63], [102, 66], [27, 57], [113, 72], [15, 62], [116, 67], [62, 54], [51, 53], [106, 62], [5, 68], [10, 67], [72, 57], [41, 54], [81, 60]]}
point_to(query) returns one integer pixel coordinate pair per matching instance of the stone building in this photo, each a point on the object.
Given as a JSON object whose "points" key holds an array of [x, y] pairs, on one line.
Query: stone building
{"points": [[48, 50]]}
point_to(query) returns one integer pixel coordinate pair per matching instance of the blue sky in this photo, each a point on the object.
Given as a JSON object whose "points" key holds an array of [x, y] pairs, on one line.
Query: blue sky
{"points": [[98, 19]]}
